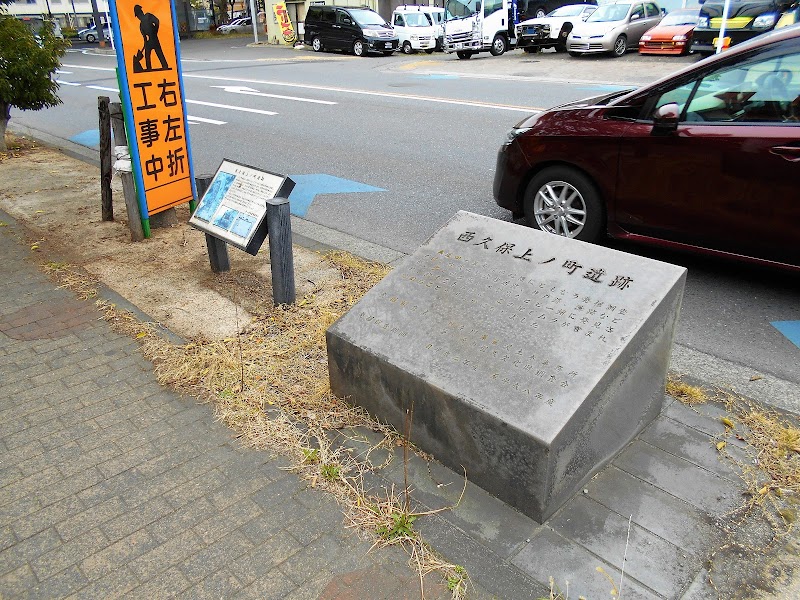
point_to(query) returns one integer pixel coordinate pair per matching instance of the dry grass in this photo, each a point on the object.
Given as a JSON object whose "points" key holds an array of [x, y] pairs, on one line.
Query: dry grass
{"points": [[769, 469], [17, 146], [72, 278], [270, 385], [688, 394]]}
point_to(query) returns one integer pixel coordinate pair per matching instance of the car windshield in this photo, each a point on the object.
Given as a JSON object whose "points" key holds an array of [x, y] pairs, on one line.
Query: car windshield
{"points": [[367, 17], [568, 11], [609, 12], [417, 20], [681, 17], [457, 9]]}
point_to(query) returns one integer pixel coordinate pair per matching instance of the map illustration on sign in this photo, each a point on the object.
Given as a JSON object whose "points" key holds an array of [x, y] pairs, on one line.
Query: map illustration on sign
{"points": [[149, 29]]}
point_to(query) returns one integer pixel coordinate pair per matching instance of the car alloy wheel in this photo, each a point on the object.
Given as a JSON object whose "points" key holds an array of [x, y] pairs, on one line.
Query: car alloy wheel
{"points": [[91, 39], [358, 48], [316, 44], [407, 49], [563, 201], [540, 13], [498, 45], [620, 46]]}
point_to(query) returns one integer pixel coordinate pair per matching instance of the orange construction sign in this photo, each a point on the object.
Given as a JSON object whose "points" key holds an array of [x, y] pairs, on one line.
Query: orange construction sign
{"points": [[151, 89]]}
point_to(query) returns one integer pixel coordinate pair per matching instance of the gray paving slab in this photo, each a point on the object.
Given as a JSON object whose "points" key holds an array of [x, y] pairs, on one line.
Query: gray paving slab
{"points": [[651, 560], [574, 568], [685, 480], [664, 515]]}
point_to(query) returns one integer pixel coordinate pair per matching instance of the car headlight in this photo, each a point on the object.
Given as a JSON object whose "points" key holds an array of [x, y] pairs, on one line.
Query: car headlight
{"points": [[764, 21], [679, 38], [702, 22], [370, 33], [514, 134], [646, 38], [414, 37]]}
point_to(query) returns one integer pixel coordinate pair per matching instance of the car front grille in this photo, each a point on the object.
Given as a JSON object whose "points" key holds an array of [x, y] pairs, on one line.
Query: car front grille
{"points": [[659, 45], [456, 38], [577, 46], [537, 31]]}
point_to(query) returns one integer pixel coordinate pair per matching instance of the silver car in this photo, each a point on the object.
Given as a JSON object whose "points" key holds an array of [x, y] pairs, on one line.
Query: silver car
{"points": [[90, 35], [614, 28]]}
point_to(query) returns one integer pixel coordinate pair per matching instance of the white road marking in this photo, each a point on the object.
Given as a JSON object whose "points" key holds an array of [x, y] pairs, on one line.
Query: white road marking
{"points": [[228, 106], [193, 119], [60, 72], [67, 83], [251, 92], [526, 109], [103, 89]]}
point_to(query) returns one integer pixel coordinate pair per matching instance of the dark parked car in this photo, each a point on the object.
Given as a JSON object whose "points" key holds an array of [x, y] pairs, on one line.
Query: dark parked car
{"points": [[358, 30], [706, 160]]}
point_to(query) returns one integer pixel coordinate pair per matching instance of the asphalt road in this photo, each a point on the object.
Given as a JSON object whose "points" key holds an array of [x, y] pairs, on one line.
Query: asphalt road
{"points": [[389, 148]]}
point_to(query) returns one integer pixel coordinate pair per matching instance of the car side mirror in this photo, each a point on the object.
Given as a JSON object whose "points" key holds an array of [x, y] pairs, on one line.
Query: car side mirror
{"points": [[634, 17], [665, 117]]}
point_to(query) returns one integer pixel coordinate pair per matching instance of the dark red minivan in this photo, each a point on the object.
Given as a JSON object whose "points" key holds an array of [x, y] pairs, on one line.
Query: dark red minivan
{"points": [[706, 160]]}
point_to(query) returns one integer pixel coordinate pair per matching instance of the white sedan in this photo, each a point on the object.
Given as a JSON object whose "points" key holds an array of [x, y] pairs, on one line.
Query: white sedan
{"points": [[552, 30]]}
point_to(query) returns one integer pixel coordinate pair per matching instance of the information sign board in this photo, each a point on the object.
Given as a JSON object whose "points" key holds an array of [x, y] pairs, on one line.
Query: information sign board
{"points": [[151, 91], [234, 207]]}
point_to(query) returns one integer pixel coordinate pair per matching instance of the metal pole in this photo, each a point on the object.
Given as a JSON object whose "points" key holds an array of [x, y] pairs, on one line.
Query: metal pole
{"points": [[279, 230], [721, 38], [106, 206], [254, 19], [217, 249], [98, 25]]}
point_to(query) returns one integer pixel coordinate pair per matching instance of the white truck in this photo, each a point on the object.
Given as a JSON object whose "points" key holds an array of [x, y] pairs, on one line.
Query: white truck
{"points": [[473, 26], [414, 29]]}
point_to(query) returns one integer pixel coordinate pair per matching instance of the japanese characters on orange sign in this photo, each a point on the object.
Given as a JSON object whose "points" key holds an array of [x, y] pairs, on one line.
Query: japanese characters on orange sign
{"points": [[284, 22], [150, 73]]}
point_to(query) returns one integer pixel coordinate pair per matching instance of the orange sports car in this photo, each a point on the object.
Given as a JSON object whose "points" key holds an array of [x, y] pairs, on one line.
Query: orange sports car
{"points": [[673, 35]]}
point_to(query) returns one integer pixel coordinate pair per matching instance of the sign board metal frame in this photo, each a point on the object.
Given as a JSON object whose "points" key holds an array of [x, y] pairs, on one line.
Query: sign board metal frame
{"points": [[149, 72], [234, 207]]}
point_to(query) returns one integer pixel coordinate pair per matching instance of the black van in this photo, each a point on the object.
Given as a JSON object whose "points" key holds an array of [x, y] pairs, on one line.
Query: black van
{"points": [[359, 30]]}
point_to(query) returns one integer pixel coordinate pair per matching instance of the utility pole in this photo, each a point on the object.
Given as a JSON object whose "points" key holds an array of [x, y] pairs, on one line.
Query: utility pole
{"points": [[100, 28]]}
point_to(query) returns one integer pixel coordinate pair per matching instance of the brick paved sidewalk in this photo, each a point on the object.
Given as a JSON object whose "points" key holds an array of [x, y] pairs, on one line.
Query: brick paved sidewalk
{"points": [[111, 485]]}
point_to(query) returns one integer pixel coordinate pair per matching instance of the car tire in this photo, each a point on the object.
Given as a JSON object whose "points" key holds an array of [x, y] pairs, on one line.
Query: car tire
{"points": [[389, 53], [540, 12], [561, 48], [316, 44], [563, 201], [91, 39], [429, 51], [499, 45], [574, 54], [464, 54], [407, 49], [620, 47], [358, 48], [531, 49]]}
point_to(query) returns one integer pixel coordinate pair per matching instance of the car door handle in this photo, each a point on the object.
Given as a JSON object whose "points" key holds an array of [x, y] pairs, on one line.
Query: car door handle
{"points": [[790, 153]]}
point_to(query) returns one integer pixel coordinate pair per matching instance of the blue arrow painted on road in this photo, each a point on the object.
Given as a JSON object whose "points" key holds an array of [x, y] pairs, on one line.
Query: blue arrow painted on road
{"points": [[791, 329], [308, 186], [90, 138]]}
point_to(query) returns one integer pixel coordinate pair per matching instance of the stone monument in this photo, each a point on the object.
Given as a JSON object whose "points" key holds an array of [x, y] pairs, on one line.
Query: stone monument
{"points": [[527, 358]]}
